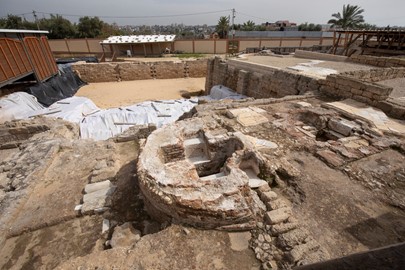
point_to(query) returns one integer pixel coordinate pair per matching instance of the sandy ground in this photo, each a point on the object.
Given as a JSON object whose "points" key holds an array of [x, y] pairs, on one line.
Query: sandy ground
{"points": [[116, 94], [398, 85]]}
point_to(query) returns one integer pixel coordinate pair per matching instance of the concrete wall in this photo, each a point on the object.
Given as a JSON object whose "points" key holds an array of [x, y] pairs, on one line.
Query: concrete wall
{"points": [[128, 71], [92, 46], [77, 46], [378, 61], [257, 81]]}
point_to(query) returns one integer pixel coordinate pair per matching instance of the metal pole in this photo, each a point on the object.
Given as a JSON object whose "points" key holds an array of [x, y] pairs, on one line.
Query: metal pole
{"points": [[36, 19]]}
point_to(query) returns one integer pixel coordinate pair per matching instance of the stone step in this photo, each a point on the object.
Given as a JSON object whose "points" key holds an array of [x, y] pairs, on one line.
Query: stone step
{"points": [[212, 176], [254, 180], [193, 141], [198, 160]]}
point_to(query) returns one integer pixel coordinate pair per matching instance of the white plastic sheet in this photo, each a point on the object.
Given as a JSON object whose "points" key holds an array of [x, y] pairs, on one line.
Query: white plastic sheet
{"points": [[18, 105], [95, 123], [108, 123], [219, 92]]}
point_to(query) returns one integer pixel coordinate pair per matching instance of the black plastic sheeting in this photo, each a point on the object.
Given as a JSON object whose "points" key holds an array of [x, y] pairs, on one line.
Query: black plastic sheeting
{"points": [[56, 88], [88, 59]]}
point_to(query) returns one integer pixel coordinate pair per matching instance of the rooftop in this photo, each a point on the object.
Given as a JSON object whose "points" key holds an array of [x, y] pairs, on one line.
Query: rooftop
{"points": [[138, 39], [24, 31]]}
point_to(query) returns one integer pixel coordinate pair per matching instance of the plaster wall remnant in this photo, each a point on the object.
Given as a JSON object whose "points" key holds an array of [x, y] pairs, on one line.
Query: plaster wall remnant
{"points": [[200, 176]]}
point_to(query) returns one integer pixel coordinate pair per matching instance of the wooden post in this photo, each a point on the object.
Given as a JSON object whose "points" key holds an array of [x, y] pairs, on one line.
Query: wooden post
{"points": [[193, 46], [88, 47], [67, 46], [144, 49], [215, 46]]}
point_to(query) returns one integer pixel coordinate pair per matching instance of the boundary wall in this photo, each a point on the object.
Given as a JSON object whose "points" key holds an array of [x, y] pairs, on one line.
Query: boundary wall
{"points": [[90, 46]]}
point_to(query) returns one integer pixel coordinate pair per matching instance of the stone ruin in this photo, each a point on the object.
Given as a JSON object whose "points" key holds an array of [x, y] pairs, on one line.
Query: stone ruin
{"points": [[202, 177]]}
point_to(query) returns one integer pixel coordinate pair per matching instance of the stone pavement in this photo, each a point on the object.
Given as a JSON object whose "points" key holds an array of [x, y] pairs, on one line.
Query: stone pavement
{"points": [[370, 114]]}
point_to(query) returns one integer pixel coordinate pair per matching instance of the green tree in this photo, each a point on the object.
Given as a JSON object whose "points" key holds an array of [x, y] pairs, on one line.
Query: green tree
{"points": [[309, 27], [89, 27], [260, 27], [111, 30], [13, 22], [367, 26], [222, 27], [248, 26], [350, 18], [58, 27]]}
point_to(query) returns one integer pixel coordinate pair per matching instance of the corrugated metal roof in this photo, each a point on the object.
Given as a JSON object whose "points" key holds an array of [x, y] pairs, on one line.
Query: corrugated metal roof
{"points": [[23, 31], [138, 39]]}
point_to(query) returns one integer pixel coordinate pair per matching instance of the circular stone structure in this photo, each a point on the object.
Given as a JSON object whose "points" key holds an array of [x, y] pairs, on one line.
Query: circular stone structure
{"points": [[193, 173]]}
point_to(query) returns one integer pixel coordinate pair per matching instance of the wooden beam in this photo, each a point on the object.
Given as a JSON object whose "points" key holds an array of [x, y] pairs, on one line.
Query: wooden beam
{"points": [[67, 46]]}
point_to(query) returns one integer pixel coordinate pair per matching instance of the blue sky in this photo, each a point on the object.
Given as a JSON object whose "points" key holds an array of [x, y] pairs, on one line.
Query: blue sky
{"points": [[382, 13]]}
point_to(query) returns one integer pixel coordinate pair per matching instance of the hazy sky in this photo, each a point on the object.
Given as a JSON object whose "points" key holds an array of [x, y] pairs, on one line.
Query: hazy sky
{"points": [[379, 12]]}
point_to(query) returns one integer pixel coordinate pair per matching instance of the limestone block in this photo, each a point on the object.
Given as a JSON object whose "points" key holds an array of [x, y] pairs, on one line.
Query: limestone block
{"points": [[125, 236], [342, 126], [278, 216], [276, 204], [96, 201], [97, 186], [268, 196], [292, 238], [106, 226], [278, 229], [298, 252]]}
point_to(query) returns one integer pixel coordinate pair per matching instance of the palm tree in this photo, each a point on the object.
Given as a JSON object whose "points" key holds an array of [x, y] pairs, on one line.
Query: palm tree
{"points": [[248, 26], [223, 26], [350, 18]]}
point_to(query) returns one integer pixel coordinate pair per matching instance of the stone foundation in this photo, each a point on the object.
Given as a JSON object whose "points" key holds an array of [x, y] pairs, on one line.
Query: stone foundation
{"points": [[130, 71], [202, 177], [378, 61], [257, 81]]}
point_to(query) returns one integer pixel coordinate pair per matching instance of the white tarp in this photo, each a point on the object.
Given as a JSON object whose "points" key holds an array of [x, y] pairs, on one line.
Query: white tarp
{"points": [[96, 123], [219, 92], [99, 124], [108, 123], [18, 105]]}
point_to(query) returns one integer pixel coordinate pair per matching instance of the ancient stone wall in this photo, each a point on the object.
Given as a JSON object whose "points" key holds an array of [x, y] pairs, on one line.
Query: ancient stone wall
{"points": [[377, 74], [362, 86], [378, 61], [12, 133], [126, 71], [342, 86], [256, 80]]}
